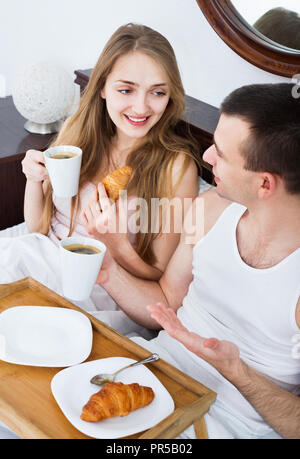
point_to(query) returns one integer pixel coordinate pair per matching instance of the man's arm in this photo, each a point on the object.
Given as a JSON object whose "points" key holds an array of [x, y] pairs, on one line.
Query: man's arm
{"points": [[132, 294], [278, 407]]}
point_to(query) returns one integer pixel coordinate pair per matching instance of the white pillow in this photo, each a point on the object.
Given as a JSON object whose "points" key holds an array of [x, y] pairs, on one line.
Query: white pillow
{"points": [[203, 185]]}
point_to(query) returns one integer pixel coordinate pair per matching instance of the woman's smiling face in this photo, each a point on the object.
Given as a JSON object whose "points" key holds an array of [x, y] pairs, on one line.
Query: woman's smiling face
{"points": [[137, 93]]}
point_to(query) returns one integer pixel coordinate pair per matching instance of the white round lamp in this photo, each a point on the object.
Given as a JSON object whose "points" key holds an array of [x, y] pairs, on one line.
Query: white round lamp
{"points": [[43, 93]]}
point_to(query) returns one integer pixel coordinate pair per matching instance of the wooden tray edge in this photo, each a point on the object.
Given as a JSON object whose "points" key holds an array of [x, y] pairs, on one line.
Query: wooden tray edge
{"points": [[14, 420], [181, 419]]}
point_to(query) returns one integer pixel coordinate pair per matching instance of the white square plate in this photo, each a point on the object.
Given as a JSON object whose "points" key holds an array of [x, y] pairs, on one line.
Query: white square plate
{"points": [[72, 389], [44, 336]]}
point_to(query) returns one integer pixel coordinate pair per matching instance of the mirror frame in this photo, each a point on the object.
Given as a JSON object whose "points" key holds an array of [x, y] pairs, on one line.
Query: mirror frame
{"points": [[247, 42]]}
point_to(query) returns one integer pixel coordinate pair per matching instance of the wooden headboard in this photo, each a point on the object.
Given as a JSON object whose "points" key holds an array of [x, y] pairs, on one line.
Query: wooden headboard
{"points": [[200, 118]]}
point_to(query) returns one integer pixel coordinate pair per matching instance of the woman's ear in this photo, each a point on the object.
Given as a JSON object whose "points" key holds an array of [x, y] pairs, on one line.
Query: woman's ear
{"points": [[102, 93]]}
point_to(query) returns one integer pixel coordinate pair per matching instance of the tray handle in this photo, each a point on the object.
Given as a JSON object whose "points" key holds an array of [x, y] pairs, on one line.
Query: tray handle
{"points": [[181, 419]]}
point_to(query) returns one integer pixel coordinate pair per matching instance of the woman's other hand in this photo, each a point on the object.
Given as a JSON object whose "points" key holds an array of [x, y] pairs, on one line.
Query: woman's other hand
{"points": [[101, 219]]}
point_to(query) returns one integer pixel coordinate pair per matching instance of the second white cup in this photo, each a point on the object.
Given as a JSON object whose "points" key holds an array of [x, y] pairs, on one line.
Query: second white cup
{"points": [[81, 259], [63, 164]]}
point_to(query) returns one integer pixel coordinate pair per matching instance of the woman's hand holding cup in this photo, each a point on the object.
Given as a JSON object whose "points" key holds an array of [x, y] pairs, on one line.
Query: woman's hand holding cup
{"points": [[33, 166]]}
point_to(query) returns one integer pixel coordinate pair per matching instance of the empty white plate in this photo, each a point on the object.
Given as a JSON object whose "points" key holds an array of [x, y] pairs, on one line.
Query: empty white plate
{"points": [[44, 336], [72, 389]]}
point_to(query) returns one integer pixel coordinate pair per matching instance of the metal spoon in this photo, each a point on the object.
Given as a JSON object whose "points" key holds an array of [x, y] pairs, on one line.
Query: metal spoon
{"points": [[103, 378]]}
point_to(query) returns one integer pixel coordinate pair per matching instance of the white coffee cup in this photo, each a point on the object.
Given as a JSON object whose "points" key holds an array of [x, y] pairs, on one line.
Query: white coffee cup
{"points": [[64, 173], [80, 271]]}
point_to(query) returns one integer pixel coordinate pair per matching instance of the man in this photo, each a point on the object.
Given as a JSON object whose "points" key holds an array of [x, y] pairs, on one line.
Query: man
{"points": [[236, 289]]}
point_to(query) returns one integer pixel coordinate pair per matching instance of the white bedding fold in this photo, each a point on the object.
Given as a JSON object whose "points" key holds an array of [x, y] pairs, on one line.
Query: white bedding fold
{"points": [[16, 230]]}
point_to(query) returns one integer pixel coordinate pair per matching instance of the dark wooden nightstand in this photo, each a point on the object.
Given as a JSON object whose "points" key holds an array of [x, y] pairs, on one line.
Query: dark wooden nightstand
{"points": [[14, 142]]}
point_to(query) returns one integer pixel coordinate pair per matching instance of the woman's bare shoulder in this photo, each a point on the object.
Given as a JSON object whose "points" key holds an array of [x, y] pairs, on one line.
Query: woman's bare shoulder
{"points": [[185, 176], [180, 162]]}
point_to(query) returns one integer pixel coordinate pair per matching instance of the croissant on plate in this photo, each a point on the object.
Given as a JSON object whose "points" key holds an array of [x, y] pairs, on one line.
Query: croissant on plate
{"points": [[116, 399], [117, 181]]}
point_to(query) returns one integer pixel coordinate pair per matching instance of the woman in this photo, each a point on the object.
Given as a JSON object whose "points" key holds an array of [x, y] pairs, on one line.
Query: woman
{"points": [[127, 115]]}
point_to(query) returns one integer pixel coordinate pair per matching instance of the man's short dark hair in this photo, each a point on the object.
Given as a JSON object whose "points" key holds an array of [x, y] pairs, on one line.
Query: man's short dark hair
{"points": [[274, 143]]}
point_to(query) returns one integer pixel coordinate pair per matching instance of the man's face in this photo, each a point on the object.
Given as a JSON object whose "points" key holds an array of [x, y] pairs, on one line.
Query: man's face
{"points": [[233, 181]]}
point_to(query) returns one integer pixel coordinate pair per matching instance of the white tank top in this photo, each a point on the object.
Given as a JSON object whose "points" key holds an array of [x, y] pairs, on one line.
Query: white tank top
{"points": [[253, 308]]}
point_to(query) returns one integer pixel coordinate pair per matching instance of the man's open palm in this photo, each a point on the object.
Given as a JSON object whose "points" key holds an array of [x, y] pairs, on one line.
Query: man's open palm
{"points": [[223, 355]]}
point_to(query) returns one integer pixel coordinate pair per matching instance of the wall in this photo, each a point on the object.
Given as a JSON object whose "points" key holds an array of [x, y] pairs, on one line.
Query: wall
{"points": [[73, 32]]}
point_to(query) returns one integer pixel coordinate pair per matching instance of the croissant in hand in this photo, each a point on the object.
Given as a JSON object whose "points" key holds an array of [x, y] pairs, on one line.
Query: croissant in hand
{"points": [[117, 181], [116, 399]]}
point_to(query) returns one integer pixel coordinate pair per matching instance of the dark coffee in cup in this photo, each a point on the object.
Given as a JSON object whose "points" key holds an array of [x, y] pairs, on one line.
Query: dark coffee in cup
{"points": [[63, 155], [82, 249]]}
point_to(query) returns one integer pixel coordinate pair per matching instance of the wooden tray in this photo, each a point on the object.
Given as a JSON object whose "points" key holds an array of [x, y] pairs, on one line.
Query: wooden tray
{"points": [[28, 407]]}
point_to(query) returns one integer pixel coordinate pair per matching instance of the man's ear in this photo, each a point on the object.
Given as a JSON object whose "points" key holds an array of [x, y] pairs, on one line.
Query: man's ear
{"points": [[268, 185]]}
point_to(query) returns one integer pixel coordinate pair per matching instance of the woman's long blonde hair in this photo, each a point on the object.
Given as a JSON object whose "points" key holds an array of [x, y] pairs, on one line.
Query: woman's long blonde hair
{"points": [[92, 130]]}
